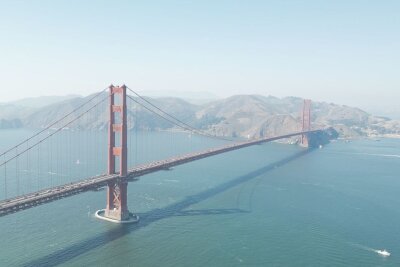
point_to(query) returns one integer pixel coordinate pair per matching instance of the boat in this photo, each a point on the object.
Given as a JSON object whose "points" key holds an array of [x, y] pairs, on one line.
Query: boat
{"points": [[384, 252]]}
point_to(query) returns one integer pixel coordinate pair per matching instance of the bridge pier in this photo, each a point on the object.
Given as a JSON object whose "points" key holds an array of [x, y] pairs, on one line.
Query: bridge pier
{"points": [[117, 207], [117, 190]]}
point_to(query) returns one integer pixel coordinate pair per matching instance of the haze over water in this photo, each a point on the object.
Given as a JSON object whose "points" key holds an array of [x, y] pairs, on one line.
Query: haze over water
{"points": [[267, 205]]}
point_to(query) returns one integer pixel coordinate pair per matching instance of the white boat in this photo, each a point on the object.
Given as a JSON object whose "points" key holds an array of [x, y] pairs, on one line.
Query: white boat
{"points": [[384, 252], [78, 162]]}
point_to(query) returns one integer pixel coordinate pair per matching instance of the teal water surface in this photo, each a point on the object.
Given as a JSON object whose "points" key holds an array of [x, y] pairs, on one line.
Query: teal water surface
{"points": [[266, 205]]}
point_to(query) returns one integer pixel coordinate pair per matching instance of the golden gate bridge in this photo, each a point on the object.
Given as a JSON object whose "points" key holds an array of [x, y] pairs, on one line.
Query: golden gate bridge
{"points": [[63, 158]]}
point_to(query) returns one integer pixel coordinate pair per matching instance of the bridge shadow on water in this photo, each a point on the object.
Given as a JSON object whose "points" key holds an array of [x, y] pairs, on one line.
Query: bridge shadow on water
{"points": [[176, 209]]}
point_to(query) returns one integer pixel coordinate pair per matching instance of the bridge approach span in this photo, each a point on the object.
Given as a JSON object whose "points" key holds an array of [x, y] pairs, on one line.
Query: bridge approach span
{"points": [[30, 200]]}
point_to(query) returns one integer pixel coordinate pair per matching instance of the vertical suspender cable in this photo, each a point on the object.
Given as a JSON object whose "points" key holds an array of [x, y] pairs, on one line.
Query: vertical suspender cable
{"points": [[28, 177], [5, 178], [16, 170], [136, 125]]}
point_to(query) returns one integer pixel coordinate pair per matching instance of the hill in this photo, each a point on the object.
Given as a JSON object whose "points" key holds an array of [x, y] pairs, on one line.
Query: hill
{"points": [[249, 116]]}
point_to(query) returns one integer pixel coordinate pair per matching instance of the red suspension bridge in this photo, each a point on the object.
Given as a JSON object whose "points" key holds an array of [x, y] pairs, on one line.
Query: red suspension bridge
{"points": [[62, 159]]}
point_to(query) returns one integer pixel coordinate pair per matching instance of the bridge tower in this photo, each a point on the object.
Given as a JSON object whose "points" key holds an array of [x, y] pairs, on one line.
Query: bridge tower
{"points": [[117, 208], [306, 122]]}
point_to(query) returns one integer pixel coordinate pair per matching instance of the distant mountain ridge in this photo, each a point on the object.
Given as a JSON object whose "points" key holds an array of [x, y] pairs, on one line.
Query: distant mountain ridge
{"points": [[249, 116], [40, 101], [12, 113]]}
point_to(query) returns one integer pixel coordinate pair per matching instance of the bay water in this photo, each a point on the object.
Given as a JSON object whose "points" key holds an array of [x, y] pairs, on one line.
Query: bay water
{"points": [[266, 205]]}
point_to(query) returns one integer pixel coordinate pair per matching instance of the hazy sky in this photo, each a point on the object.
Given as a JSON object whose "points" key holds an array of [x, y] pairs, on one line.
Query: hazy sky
{"points": [[338, 51]]}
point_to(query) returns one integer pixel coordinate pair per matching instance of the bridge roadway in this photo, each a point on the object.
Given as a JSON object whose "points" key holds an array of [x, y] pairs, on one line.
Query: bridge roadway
{"points": [[30, 200]]}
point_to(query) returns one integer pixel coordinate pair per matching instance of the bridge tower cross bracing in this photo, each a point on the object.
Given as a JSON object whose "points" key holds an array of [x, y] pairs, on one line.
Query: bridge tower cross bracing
{"points": [[306, 122], [117, 208]]}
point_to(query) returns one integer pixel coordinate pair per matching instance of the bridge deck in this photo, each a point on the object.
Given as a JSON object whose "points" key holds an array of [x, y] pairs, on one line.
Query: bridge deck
{"points": [[30, 200]]}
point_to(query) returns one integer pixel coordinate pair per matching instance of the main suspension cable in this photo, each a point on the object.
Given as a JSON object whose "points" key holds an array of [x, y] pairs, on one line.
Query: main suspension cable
{"points": [[56, 131], [54, 123], [186, 126], [190, 129]]}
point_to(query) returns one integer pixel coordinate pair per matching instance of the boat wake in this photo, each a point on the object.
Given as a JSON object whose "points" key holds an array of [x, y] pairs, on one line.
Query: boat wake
{"points": [[379, 155], [171, 180], [382, 252], [370, 154]]}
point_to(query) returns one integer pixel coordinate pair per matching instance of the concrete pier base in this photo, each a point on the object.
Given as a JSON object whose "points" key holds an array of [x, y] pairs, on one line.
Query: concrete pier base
{"points": [[100, 214]]}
